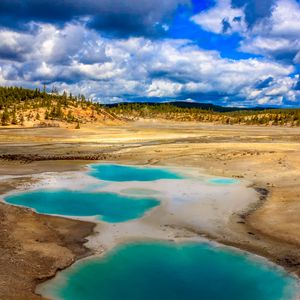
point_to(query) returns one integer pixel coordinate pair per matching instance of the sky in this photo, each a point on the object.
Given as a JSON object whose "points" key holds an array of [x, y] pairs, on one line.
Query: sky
{"points": [[227, 52]]}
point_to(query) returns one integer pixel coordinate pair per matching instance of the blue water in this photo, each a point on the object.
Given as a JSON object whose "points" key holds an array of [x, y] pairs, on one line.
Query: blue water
{"points": [[166, 271], [108, 207], [130, 173], [223, 181]]}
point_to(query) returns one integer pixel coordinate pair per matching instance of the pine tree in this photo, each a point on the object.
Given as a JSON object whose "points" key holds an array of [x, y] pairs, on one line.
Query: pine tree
{"points": [[22, 120], [5, 117], [59, 112], [69, 116], [46, 115], [14, 120]]}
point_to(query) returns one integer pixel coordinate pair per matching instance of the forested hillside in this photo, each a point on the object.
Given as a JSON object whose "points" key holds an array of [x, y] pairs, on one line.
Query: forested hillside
{"points": [[283, 117], [25, 107]]}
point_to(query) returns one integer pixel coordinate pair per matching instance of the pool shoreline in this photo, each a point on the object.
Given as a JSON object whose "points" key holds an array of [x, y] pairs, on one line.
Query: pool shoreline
{"points": [[46, 288], [207, 236]]}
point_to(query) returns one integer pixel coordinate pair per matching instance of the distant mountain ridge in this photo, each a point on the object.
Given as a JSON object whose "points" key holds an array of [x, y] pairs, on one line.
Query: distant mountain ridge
{"points": [[205, 112], [36, 108], [199, 105]]}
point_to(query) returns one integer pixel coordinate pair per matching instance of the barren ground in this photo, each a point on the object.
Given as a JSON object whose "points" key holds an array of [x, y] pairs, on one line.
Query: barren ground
{"points": [[35, 246]]}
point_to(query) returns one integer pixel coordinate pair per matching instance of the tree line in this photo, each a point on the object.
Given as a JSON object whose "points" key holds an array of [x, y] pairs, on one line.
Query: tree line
{"points": [[19, 105], [283, 117]]}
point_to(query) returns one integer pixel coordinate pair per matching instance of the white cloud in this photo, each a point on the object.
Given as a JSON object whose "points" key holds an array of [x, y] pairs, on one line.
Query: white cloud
{"points": [[285, 19], [275, 36], [163, 88], [14, 45], [221, 18], [115, 69]]}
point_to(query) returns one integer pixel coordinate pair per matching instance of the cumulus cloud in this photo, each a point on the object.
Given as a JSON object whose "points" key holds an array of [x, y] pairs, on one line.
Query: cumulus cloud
{"points": [[278, 36], [117, 17], [255, 10], [221, 18], [115, 50], [14, 45], [134, 68], [269, 28]]}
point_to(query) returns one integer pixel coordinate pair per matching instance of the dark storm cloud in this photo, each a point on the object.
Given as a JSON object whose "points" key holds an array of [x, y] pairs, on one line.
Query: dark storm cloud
{"points": [[264, 83], [255, 10], [225, 25], [286, 55], [118, 17], [297, 86], [17, 12], [178, 76], [105, 50], [14, 47], [7, 53]]}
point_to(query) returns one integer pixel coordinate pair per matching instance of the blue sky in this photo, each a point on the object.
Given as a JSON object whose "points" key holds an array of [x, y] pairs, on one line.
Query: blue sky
{"points": [[227, 52]]}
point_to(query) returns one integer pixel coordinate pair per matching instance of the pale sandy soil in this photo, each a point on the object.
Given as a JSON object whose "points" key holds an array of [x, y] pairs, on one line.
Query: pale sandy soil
{"points": [[187, 205], [267, 157]]}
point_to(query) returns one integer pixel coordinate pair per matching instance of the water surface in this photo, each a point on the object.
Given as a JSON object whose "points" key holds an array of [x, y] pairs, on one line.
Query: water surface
{"points": [[108, 207], [160, 271], [130, 173], [223, 181]]}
